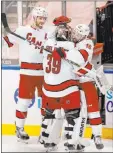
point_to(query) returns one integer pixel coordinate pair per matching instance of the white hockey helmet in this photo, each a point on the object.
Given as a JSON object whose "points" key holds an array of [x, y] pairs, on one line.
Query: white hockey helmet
{"points": [[81, 31], [39, 11]]}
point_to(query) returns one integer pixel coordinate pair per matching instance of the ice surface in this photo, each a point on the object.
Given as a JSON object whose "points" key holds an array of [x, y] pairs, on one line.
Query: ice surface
{"points": [[10, 144]]}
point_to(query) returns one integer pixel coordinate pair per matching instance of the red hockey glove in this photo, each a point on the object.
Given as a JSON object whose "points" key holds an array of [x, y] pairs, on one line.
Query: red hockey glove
{"points": [[8, 42], [59, 53]]}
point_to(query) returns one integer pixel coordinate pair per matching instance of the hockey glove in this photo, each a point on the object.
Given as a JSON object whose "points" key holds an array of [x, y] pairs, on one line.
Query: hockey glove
{"points": [[59, 53]]}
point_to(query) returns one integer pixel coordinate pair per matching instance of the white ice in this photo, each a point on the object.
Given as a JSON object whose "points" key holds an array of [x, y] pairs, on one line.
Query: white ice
{"points": [[10, 144]]}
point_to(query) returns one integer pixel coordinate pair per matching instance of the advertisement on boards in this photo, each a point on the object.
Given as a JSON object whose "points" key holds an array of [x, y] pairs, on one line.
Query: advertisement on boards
{"points": [[109, 100], [10, 84]]}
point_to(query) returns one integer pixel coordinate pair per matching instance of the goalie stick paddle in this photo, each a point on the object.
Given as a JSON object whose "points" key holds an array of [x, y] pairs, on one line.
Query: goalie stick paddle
{"points": [[5, 24]]}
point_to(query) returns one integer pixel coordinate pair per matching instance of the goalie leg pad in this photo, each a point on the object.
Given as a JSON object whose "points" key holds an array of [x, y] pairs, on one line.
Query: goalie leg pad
{"points": [[46, 123], [77, 123], [71, 115], [68, 126], [54, 129]]}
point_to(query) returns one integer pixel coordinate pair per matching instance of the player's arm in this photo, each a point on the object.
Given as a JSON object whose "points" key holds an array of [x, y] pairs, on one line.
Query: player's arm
{"points": [[85, 69], [71, 55], [86, 48], [11, 39], [79, 55]]}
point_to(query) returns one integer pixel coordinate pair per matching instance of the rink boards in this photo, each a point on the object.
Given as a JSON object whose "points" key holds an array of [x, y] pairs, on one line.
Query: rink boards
{"points": [[10, 82]]}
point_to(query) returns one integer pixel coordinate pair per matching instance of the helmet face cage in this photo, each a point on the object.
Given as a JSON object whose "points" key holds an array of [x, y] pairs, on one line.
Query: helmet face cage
{"points": [[63, 33], [81, 31], [76, 36]]}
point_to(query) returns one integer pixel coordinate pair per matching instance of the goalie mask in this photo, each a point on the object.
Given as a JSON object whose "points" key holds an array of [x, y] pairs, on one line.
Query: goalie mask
{"points": [[63, 33], [81, 32]]}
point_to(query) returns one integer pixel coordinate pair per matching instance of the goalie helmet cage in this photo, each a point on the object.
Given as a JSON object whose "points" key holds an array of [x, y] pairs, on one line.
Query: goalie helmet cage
{"points": [[105, 31]]}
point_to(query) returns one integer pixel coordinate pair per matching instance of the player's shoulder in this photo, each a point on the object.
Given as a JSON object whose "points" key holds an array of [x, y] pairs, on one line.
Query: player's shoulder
{"points": [[66, 44], [49, 42], [23, 28], [88, 41], [70, 45]]}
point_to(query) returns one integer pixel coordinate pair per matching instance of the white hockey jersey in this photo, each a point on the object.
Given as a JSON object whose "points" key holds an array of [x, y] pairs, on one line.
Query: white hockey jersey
{"points": [[59, 78], [85, 47], [30, 52]]}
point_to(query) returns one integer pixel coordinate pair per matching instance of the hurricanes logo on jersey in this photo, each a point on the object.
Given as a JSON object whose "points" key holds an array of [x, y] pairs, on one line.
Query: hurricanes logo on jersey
{"points": [[32, 40]]}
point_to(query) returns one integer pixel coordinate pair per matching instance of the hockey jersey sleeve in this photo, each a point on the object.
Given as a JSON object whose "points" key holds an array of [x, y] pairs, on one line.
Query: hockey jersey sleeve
{"points": [[82, 55], [81, 66], [11, 39], [86, 49], [75, 56]]}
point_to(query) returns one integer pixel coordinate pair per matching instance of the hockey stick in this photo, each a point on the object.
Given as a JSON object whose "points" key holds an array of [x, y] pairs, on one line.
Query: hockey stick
{"points": [[5, 24]]}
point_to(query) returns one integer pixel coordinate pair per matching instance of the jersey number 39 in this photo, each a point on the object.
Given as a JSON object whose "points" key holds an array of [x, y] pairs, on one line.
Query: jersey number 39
{"points": [[53, 65]]}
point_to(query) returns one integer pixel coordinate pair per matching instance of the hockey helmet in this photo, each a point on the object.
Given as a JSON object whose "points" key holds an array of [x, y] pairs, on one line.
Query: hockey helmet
{"points": [[39, 11], [80, 32]]}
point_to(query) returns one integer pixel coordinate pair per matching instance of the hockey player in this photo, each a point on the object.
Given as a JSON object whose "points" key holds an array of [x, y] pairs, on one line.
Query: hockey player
{"points": [[88, 86], [85, 47], [60, 90], [31, 69], [87, 65], [57, 21]]}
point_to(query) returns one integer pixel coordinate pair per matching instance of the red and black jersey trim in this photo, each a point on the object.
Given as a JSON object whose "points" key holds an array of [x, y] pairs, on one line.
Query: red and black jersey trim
{"points": [[82, 71], [62, 86], [31, 66]]}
